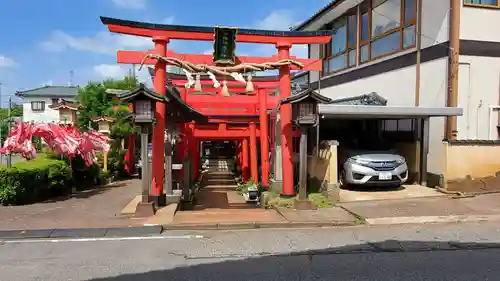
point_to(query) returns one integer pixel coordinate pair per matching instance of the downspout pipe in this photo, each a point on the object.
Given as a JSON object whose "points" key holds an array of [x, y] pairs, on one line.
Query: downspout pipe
{"points": [[419, 48], [454, 52]]}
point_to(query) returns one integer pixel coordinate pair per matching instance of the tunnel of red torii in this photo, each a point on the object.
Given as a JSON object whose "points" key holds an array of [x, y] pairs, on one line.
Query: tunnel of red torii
{"points": [[241, 118]]}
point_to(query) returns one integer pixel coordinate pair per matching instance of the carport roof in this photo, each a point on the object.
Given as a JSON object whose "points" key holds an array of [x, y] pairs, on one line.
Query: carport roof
{"points": [[385, 112]]}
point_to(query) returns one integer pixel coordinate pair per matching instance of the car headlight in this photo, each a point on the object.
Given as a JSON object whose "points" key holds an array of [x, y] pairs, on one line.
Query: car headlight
{"points": [[400, 161], [360, 161]]}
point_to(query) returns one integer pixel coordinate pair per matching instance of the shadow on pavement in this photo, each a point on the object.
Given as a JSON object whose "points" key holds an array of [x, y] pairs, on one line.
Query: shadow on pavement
{"points": [[85, 193], [387, 260]]}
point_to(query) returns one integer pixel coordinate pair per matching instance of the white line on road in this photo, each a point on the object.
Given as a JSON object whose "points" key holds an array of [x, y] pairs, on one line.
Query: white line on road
{"points": [[21, 241]]}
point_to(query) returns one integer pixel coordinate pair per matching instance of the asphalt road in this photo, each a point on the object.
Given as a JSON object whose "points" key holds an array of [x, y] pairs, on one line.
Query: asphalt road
{"points": [[428, 252]]}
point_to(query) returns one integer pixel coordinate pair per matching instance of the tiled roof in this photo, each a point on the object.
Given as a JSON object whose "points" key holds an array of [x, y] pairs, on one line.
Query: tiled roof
{"points": [[50, 91], [65, 104], [367, 99]]}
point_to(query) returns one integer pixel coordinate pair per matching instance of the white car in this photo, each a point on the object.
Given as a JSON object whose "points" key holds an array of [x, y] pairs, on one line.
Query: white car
{"points": [[373, 168]]}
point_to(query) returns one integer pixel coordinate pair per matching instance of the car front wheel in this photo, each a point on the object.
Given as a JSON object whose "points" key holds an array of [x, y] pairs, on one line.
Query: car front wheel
{"points": [[342, 181]]}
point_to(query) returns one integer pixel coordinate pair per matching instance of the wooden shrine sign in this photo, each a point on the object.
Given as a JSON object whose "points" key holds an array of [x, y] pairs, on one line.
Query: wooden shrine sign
{"points": [[225, 45]]}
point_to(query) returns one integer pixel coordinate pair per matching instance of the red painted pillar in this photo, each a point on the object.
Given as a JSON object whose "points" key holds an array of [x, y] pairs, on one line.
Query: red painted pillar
{"points": [[181, 147], [196, 162], [254, 169], [131, 154], [192, 148], [286, 122], [160, 79], [264, 135], [240, 155], [245, 165], [129, 164]]}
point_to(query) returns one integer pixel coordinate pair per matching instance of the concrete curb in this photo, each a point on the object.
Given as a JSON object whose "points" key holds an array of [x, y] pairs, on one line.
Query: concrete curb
{"points": [[81, 232], [431, 219], [317, 224], [256, 225]]}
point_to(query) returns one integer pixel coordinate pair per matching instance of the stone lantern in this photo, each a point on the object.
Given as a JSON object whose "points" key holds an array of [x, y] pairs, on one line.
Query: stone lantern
{"points": [[143, 103], [304, 115], [104, 125]]}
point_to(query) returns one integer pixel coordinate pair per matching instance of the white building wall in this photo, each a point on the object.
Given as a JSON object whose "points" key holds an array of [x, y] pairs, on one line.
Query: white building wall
{"points": [[435, 22], [433, 93], [479, 77], [48, 115], [479, 24], [479, 89]]}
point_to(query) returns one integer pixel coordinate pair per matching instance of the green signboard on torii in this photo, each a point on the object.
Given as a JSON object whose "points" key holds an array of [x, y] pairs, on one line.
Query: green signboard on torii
{"points": [[225, 45]]}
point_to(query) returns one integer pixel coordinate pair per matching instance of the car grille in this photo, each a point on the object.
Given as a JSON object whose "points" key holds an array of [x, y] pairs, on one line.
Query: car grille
{"points": [[383, 165], [375, 179]]}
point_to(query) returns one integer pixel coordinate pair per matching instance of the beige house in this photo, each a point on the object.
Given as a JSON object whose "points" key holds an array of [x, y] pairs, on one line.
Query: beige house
{"points": [[422, 54]]}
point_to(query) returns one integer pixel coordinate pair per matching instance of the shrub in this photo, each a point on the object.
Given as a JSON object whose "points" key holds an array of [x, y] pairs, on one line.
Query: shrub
{"points": [[34, 180]]}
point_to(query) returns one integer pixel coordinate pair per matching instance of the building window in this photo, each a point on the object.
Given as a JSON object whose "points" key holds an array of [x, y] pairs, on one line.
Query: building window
{"points": [[37, 106], [398, 125], [483, 3], [399, 130], [385, 27], [392, 25], [340, 53]]}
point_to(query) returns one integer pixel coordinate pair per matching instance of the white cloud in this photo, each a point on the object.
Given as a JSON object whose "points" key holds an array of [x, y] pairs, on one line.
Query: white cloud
{"points": [[131, 4], [299, 51], [168, 20], [116, 71], [103, 42], [6, 62], [277, 20]]}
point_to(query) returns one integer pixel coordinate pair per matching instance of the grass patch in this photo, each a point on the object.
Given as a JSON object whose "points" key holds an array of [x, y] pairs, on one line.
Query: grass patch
{"points": [[318, 199]]}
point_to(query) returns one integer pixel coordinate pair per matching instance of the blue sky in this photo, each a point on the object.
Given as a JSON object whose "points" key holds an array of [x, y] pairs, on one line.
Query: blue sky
{"points": [[46, 40]]}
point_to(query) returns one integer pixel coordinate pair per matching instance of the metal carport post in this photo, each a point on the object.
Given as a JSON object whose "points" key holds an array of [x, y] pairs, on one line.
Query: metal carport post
{"points": [[393, 112]]}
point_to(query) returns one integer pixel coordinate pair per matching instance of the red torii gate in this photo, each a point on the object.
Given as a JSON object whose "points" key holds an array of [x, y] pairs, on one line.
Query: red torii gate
{"points": [[162, 34], [252, 108]]}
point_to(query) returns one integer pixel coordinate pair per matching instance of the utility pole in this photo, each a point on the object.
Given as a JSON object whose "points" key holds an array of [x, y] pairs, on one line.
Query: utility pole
{"points": [[1, 143], [9, 124], [71, 77]]}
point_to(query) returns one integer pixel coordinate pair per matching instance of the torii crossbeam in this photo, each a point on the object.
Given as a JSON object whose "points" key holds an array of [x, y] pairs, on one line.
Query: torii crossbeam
{"points": [[136, 57]]}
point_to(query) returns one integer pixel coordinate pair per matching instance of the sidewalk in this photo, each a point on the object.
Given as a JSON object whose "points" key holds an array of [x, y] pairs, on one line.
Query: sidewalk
{"points": [[427, 210], [96, 208], [96, 213]]}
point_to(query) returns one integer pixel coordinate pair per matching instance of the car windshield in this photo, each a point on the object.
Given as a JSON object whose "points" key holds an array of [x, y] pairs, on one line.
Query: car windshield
{"points": [[373, 144]]}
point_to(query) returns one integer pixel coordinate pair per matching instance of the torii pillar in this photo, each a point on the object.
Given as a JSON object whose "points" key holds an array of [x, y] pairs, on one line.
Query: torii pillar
{"points": [[264, 135], [160, 80], [245, 164], [254, 167], [286, 122]]}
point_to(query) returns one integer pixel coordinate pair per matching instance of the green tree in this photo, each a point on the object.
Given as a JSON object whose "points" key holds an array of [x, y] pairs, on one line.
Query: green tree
{"points": [[96, 102], [16, 111]]}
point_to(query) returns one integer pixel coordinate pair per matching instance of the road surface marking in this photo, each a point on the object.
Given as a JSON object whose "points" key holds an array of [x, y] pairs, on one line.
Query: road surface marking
{"points": [[20, 241]]}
